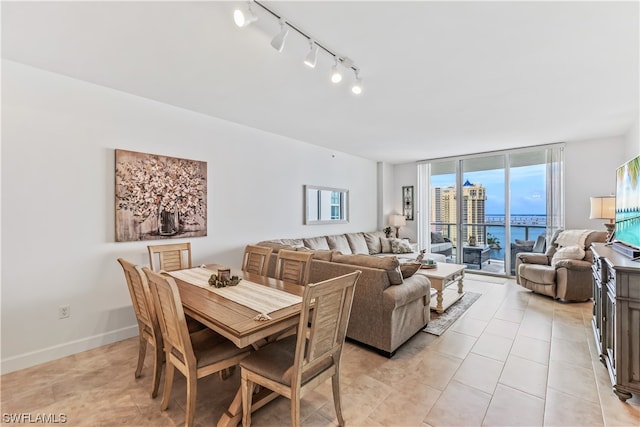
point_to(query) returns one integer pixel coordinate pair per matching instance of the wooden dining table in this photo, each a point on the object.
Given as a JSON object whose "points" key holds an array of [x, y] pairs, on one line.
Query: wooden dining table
{"points": [[238, 323]]}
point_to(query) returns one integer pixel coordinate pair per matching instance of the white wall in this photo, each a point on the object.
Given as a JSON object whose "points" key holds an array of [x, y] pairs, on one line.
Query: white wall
{"points": [[590, 170], [632, 141], [58, 141]]}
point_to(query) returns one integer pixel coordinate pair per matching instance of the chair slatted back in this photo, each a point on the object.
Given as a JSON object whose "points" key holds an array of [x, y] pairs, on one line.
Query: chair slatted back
{"points": [[140, 296], [293, 266], [171, 257], [327, 305], [148, 327], [170, 313], [256, 259]]}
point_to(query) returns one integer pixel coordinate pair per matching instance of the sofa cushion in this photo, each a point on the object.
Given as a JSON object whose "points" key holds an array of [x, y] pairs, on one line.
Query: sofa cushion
{"points": [[357, 243], [408, 269], [321, 254], [296, 243], [276, 245], [340, 243], [540, 274], [390, 264], [568, 252], [373, 242], [317, 243], [385, 245]]}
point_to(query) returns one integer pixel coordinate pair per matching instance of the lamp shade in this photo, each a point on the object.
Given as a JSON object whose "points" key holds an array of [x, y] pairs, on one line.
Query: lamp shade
{"points": [[397, 220], [603, 207]]}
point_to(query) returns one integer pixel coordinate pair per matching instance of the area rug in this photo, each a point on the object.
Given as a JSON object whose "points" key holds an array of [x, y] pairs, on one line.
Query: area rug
{"points": [[441, 322]]}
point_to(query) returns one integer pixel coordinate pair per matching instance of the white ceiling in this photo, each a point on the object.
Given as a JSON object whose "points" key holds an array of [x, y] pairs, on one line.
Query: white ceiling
{"points": [[441, 78]]}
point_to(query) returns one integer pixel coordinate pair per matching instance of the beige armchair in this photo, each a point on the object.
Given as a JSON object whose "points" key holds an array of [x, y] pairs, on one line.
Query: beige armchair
{"points": [[565, 279]]}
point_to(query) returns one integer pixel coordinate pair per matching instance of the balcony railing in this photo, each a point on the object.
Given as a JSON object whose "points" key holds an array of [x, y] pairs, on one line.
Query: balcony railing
{"points": [[483, 232]]}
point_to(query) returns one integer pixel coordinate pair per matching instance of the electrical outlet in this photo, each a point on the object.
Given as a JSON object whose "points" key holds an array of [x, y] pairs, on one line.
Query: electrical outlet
{"points": [[64, 311]]}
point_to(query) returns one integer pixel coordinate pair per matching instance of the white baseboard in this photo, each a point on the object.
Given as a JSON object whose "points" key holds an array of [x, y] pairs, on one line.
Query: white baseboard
{"points": [[48, 354]]}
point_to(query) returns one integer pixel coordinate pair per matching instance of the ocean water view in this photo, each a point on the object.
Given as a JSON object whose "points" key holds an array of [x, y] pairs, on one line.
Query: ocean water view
{"points": [[523, 227]]}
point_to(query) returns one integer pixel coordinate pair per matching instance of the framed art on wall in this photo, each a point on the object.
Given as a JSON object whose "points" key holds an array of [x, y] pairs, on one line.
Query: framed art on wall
{"points": [[407, 202], [159, 197]]}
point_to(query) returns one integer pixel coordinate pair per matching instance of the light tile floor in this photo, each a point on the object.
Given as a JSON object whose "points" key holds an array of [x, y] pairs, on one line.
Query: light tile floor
{"points": [[513, 359]]}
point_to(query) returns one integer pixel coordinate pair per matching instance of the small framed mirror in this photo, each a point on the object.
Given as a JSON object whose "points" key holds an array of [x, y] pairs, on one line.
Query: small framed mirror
{"points": [[325, 205]]}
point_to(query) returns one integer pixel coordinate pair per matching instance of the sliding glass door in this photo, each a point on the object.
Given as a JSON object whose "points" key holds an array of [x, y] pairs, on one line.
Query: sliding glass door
{"points": [[483, 212], [491, 206]]}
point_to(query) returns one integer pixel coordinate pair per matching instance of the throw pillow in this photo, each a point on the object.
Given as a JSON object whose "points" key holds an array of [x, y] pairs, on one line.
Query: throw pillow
{"points": [[385, 245], [408, 269], [568, 252], [400, 246]]}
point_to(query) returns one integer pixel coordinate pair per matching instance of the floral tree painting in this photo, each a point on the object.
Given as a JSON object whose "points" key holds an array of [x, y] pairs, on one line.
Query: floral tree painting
{"points": [[159, 197]]}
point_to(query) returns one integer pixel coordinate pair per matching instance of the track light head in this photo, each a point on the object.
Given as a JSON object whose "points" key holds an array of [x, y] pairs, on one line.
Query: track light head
{"points": [[278, 40], [336, 75], [242, 18], [312, 56], [356, 88]]}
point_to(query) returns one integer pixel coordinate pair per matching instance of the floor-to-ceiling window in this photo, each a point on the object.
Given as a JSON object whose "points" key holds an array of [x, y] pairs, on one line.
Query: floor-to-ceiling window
{"points": [[488, 205]]}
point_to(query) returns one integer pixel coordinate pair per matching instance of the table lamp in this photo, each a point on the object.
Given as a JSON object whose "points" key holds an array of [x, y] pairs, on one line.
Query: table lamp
{"points": [[604, 207], [397, 221]]}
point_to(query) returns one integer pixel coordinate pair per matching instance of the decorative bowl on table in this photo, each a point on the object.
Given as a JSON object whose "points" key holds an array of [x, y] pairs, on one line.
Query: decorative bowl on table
{"points": [[223, 282], [428, 263]]}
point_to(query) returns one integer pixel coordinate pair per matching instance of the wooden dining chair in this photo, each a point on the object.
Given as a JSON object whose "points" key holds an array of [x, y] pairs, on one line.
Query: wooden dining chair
{"points": [[171, 257], [256, 259], [197, 355], [295, 365], [148, 327], [293, 266]]}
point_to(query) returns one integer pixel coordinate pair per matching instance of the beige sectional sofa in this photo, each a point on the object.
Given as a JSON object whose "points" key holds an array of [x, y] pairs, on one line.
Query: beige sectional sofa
{"points": [[389, 307]]}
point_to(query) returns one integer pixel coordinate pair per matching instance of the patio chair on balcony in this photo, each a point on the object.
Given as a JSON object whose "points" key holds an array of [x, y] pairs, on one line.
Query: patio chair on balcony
{"points": [[538, 246]]}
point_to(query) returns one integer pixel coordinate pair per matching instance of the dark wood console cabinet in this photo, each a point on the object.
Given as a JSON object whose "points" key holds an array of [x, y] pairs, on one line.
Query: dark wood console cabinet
{"points": [[616, 317]]}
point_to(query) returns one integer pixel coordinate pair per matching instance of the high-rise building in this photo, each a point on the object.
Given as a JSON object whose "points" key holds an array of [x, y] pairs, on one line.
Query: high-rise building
{"points": [[444, 211]]}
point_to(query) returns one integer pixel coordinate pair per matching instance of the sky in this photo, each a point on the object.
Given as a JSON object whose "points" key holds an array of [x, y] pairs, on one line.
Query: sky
{"points": [[527, 189]]}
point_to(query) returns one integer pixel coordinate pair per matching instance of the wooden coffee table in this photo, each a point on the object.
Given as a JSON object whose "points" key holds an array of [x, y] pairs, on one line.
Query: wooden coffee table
{"points": [[441, 277]]}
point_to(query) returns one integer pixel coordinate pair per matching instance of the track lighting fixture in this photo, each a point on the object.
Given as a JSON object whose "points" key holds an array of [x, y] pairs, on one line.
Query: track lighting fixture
{"points": [[312, 56], [242, 19], [278, 40], [336, 75], [356, 88]]}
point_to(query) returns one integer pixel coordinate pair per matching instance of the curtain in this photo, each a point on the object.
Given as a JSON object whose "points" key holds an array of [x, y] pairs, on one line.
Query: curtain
{"points": [[422, 202], [555, 189]]}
